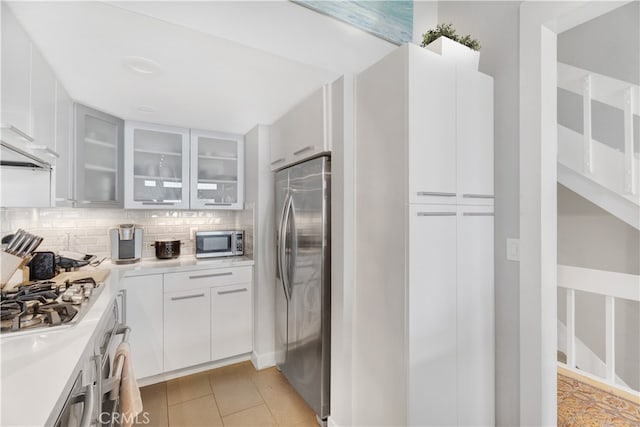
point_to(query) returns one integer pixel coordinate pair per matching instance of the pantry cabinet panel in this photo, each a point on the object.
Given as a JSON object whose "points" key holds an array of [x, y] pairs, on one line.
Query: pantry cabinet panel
{"points": [[99, 144], [217, 170], [475, 136], [187, 328], [431, 128], [16, 73], [231, 321], [432, 315], [144, 314], [156, 166]]}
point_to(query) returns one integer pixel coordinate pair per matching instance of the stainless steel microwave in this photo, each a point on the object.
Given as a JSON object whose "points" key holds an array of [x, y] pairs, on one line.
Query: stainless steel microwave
{"points": [[211, 244]]}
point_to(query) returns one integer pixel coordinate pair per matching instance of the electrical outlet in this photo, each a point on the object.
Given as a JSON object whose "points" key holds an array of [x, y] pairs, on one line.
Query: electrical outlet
{"points": [[513, 249]]}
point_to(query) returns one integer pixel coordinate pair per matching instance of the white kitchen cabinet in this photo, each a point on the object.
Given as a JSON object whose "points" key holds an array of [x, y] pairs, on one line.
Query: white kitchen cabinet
{"points": [[303, 132], [43, 102], [16, 73], [432, 299], [99, 157], [474, 96], [144, 314], [475, 316], [231, 320], [425, 276], [64, 166], [156, 166], [187, 328], [217, 170]]}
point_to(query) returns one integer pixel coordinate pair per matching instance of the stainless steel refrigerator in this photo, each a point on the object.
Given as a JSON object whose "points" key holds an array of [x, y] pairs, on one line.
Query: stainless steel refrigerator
{"points": [[303, 279]]}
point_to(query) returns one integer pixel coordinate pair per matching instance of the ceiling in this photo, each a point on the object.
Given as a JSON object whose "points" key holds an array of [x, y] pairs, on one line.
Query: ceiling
{"points": [[222, 65]]}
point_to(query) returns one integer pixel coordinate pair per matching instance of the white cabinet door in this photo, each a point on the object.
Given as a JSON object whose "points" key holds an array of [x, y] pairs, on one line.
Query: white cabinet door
{"points": [[231, 321], [432, 315], [475, 136], [187, 328], [217, 170], [144, 315], [16, 73], [64, 147], [43, 101], [302, 132], [432, 128], [99, 152], [475, 316]]}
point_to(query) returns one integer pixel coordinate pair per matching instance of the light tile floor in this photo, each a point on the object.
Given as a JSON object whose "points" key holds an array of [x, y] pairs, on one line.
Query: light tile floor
{"points": [[235, 395]]}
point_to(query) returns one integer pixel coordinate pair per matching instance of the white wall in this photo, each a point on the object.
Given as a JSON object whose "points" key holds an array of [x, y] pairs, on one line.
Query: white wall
{"points": [[259, 190], [495, 24]]}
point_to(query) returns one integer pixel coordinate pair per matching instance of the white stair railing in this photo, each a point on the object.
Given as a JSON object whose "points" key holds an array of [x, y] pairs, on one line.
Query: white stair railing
{"points": [[612, 286], [616, 93]]}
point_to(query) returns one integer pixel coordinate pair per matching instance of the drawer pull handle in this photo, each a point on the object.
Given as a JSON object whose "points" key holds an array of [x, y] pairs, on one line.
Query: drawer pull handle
{"points": [[234, 291], [478, 214], [477, 196], [435, 193], [202, 276], [217, 204], [280, 160], [158, 203], [302, 150], [436, 214], [187, 297]]}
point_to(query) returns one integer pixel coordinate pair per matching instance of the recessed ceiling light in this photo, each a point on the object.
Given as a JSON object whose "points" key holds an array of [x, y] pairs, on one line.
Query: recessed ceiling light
{"points": [[145, 109], [140, 65]]}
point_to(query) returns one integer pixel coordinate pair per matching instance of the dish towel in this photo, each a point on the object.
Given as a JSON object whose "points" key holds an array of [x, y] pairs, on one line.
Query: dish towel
{"points": [[130, 400]]}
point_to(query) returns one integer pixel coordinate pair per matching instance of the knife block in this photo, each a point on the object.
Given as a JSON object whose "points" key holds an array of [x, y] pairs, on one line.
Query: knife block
{"points": [[8, 266]]}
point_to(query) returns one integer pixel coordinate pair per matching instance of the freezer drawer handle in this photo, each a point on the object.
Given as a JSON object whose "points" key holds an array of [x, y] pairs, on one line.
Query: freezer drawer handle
{"points": [[234, 291], [217, 204], [435, 193], [280, 160], [436, 214], [202, 276], [477, 196], [302, 150], [186, 297]]}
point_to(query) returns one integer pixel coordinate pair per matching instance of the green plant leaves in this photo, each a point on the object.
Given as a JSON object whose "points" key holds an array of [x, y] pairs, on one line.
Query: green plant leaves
{"points": [[447, 30]]}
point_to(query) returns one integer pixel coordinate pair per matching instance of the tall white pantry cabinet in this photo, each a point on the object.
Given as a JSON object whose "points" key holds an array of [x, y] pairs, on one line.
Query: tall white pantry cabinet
{"points": [[424, 280]]}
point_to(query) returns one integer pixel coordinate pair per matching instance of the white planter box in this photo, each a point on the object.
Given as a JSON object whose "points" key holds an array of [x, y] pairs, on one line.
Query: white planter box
{"points": [[455, 51]]}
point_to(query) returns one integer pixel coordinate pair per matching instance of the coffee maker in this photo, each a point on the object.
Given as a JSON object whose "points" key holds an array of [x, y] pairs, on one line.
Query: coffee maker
{"points": [[126, 243]]}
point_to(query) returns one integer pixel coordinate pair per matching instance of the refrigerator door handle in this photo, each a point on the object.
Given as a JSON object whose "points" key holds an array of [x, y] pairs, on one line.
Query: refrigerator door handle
{"points": [[294, 246], [282, 245]]}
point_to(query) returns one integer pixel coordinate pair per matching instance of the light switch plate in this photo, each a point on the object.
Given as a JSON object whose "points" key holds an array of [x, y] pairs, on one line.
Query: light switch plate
{"points": [[513, 249]]}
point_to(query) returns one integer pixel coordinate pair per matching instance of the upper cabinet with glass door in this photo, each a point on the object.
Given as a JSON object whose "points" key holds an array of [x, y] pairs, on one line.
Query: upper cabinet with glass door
{"points": [[99, 158], [217, 170], [156, 166]]}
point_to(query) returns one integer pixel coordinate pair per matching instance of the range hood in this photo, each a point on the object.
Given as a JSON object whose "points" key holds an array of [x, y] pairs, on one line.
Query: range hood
{"points": [[18, 150]]}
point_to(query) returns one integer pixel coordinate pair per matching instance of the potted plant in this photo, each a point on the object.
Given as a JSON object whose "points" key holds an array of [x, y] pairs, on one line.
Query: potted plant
{"points": [[444, 41]]}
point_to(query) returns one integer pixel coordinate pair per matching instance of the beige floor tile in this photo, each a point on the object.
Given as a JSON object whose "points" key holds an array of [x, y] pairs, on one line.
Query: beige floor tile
{"points": [[197, 412], [154, 403], [287, 408], [187, 388], [240, 369], [234, 393], [271, 379], [256, 416]]}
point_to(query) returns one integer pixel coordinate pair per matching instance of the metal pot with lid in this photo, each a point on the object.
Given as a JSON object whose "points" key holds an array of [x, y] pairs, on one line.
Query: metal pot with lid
{"points": [[167, 249]]}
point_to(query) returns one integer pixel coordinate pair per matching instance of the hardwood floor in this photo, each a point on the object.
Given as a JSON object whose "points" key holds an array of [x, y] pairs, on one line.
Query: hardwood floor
{"points": [[583, 402], [235, 395]]}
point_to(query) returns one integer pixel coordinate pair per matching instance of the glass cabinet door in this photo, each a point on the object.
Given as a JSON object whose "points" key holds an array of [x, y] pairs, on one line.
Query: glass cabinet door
{"points": [[99, 158], [217, 162], [159, 165]]}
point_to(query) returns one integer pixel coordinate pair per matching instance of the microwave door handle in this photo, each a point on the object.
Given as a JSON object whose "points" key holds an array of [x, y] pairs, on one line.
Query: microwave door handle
{"points": [[234, 247]]}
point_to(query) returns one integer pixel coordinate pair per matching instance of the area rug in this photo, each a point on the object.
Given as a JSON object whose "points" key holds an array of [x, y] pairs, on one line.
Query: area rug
{"points": [[584, 402]]}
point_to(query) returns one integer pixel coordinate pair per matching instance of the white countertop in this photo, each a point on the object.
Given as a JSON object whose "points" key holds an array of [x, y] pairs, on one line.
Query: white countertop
{"points": [[37, 369]]}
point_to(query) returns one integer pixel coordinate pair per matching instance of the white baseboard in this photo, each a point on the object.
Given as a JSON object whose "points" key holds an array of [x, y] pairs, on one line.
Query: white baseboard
{"points": [[331, 422], [166, 376], [265, 360]]}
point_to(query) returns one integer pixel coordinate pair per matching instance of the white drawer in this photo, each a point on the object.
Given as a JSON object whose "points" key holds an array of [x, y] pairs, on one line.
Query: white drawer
{"points": [[206, 278]]}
